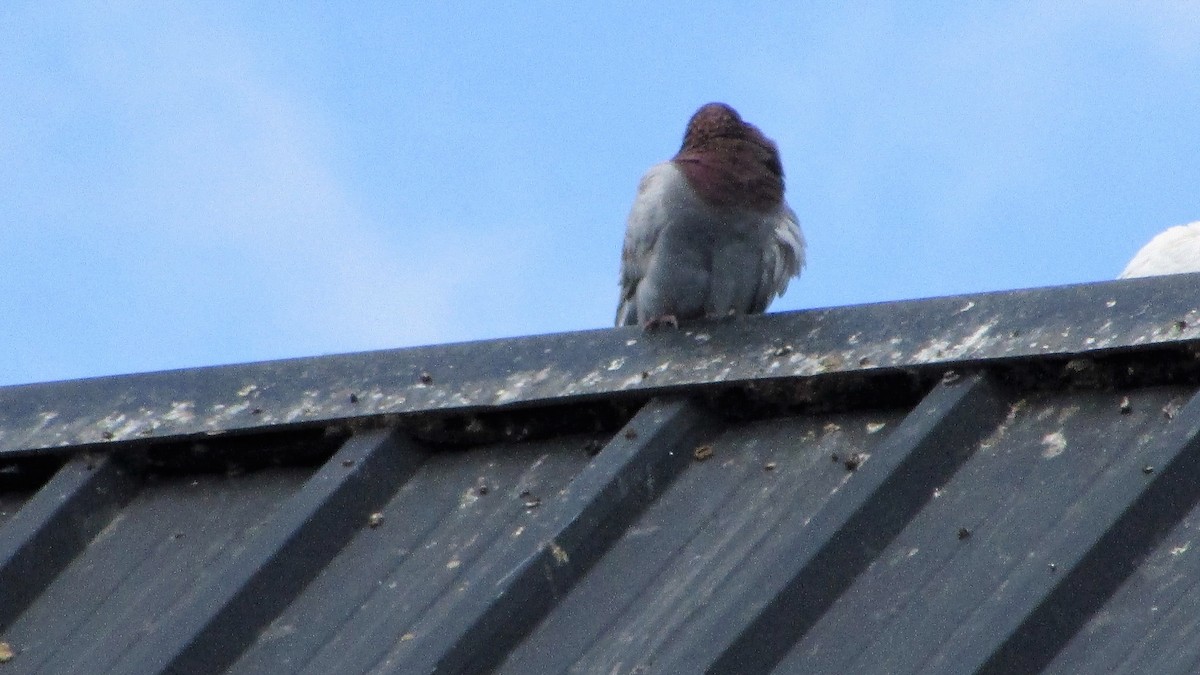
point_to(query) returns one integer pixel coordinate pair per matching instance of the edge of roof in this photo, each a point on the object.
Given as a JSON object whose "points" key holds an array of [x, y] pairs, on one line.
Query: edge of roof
{"points": [[1080, 320]]}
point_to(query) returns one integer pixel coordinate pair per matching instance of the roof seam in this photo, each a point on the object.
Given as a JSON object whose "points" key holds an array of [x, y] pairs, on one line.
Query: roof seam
{"points": [[628, 474], [885, 493], [55, 525], [1167, 494], [246, 592]]}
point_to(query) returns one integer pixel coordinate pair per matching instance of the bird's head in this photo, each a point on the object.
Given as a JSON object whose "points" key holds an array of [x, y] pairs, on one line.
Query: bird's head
{"points": [[730, 162]]}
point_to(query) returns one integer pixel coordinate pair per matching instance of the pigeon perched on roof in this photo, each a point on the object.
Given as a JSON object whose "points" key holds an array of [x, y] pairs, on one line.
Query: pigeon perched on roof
{"points": [[710, 233], [1173, 251]]}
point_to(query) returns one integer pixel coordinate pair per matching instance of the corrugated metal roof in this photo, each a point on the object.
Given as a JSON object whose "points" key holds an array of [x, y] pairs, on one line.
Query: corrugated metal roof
{"points": [[995, 483]]}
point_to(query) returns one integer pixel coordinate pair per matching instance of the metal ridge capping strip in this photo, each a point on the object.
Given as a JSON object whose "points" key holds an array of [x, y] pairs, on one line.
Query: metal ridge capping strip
{"points": [[1065, 321], [1131, 512], [55, 525], [247, 591], [630, 472], [928, 446]]}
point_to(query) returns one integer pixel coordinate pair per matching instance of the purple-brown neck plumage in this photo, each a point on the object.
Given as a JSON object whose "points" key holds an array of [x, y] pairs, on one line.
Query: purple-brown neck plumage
{"points": [[728, 162]]}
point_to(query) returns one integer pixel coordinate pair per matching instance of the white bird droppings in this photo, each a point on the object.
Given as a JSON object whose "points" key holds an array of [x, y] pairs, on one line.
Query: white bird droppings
{"points": [[1053, 444]]}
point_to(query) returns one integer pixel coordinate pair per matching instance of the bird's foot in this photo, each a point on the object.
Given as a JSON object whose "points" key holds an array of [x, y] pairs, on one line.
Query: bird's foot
{"points": [[662, 321]]}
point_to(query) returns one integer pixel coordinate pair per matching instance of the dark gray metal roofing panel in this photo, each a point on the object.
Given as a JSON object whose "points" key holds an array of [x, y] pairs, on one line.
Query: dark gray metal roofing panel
{"points": [[1152, 624], [1121, 520], [148, 563], [1036, 508], [732, 595], [452, 515], [1070, 320], [924, 450], [55, 525], [725, 514], [11, 501], [489, 546], [582, 522], [244, 591], [20, 479], [996, 553]]}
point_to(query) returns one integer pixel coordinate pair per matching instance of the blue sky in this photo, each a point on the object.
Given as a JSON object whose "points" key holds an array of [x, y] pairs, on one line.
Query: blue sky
{"points": [[187, 185]]}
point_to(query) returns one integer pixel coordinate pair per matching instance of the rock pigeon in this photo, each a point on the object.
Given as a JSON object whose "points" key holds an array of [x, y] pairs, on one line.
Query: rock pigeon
{"points": [[709, 234], [1174, 251]]}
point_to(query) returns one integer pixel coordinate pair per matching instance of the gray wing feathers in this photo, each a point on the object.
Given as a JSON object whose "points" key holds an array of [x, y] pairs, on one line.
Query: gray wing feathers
{"points": [[783, 258], [645, 223]]}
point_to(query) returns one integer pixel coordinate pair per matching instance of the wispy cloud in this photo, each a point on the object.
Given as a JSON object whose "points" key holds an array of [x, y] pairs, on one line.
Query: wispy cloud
{"points": [[222, 222]]}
